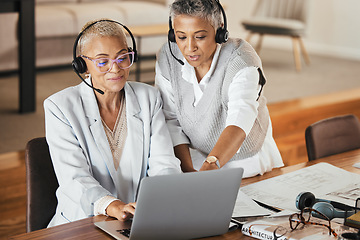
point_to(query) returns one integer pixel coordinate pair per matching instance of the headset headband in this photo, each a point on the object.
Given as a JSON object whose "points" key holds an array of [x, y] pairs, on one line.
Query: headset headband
{"points": [[223, 13], [105, 20], [78, 63]]}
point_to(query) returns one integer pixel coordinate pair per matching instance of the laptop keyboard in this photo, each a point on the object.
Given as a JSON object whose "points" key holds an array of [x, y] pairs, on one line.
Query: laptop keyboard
{"points": [[125, 232]]}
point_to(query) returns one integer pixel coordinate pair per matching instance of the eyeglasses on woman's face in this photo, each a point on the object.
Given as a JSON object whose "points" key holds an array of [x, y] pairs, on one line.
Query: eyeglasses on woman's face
{"points": [[104, 65]]}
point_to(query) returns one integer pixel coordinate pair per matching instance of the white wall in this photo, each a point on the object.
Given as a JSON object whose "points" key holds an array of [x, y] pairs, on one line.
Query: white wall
{"points": [[333, 29]]}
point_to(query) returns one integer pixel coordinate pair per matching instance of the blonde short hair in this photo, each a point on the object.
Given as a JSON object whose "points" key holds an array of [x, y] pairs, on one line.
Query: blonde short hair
{"points": [[100, 28]]}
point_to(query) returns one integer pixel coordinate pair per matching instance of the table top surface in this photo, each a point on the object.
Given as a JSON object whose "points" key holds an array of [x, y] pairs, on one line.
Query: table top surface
{"points": [[85, 229], [149, 30]]}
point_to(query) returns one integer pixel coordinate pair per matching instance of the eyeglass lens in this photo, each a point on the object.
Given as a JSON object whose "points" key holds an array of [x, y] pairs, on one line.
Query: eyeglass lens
{"points": [[295, 220], [105, 64], [279, 232]]}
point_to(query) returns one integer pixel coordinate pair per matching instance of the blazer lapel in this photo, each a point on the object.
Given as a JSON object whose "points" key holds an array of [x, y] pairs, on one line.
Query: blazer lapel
{"points": [[97, 129], [134, 147]]}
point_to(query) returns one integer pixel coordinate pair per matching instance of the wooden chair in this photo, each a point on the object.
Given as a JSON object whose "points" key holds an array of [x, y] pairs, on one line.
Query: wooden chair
{"points": [[41, 185], [282, 18], [332, 136]]}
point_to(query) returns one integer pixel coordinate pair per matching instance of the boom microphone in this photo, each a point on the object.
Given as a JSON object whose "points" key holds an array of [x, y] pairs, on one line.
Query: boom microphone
{"points": [[96, 89], [181, 62]]}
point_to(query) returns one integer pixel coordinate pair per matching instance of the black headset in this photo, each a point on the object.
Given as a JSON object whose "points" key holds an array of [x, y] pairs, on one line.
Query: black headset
{"points": [[331, 209], [79, 64], [221, 36]]}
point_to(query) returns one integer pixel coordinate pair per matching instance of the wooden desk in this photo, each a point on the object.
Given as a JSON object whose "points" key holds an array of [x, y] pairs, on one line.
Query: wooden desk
{"points": [[85, 229], [26, 36], [145, 31]]}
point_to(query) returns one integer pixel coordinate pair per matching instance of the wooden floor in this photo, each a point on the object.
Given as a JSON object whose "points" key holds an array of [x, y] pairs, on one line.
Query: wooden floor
{"points": [[289, 121], [12, 194]]}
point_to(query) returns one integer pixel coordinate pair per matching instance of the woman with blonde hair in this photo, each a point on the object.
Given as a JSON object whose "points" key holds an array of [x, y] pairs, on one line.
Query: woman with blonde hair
{"points": [[103, 140]]}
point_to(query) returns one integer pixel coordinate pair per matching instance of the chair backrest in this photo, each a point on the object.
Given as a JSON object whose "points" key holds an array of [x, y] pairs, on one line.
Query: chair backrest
{"points": [[332, 136], [288, 9], [41, 185]]}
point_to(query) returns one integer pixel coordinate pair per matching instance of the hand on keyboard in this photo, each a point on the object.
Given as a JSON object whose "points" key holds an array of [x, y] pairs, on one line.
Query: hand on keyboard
{"points": [[125, 232]]}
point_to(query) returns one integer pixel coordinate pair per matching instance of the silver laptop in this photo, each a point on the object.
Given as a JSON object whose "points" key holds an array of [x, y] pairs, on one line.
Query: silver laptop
{"points": [[181, 206]]}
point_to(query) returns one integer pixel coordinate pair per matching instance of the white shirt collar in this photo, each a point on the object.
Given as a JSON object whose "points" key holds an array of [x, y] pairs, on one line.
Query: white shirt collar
{"points": [[189, 75], [188, 71]]}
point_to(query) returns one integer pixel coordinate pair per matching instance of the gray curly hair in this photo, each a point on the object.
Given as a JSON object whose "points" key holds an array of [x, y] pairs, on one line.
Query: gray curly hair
{"points": [[100, 28], [206, 9]]}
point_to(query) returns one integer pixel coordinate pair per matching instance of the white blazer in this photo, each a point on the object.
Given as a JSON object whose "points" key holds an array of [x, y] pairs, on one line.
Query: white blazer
{"points": [[81, 153]]}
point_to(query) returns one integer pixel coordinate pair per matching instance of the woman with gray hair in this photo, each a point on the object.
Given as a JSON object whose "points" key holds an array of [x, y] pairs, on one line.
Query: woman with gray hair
{"points": [[211, 87], [103, 140]]}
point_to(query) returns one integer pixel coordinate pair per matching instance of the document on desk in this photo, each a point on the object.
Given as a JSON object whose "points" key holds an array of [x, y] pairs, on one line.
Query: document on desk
{"points": [[246, 207], [323, 180]]}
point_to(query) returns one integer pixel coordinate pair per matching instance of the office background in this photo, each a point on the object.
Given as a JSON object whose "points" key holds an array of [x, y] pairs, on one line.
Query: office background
{"points": [[332, 41], [331, 27]]}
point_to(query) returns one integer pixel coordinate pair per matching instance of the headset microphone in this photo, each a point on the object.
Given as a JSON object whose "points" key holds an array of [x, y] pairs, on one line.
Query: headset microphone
{"points": [[96, 89], [181, 62]]}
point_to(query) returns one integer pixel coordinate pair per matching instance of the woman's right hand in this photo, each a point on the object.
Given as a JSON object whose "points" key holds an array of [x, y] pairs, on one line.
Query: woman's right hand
{"points": [[120, 210]]}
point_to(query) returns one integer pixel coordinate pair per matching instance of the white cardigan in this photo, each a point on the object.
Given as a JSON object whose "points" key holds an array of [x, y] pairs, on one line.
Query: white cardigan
{"points": [[81, 153]]}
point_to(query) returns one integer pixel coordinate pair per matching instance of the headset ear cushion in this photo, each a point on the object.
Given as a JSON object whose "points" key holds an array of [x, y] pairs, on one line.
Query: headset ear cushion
{"points": [[222, 35], [79, 65], [326, 209], [171, 35], [135, 56], [305, 199]]}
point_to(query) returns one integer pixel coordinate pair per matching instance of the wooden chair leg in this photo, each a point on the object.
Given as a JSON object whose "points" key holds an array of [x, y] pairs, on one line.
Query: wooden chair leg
{"points": [[304, 52], [248, 38], [259, 43], [296, 53]]}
